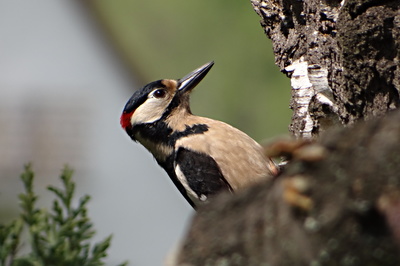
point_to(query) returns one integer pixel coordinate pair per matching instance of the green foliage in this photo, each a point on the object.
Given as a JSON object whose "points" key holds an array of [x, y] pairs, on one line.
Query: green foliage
{"points": [[9, 241], [59, 237]]}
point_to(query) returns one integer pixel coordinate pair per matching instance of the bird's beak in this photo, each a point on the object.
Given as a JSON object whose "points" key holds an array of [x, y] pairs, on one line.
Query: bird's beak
{"points": [[190, 81]]}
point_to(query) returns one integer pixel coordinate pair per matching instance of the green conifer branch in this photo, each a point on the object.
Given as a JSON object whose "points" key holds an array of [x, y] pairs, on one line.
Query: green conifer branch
{"points": [[57, 237]]}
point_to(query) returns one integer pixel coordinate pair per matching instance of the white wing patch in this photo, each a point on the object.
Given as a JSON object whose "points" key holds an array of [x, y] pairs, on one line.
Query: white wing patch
{"points": [[192, 195]]}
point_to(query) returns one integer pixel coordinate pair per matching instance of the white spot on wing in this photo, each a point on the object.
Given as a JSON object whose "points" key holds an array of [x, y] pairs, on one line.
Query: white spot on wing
{"points": [[193, 196]]}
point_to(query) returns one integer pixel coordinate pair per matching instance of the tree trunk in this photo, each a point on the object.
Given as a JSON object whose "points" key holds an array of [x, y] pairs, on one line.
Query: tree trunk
{"points": [[342, 58], [338, 200]]}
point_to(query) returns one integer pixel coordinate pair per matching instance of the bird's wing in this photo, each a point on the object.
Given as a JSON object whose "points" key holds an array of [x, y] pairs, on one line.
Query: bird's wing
{"points": [[240, 158], [199, 174]]}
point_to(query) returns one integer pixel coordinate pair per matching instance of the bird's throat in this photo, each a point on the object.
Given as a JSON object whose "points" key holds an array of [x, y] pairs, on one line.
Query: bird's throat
{"points": [[159, 150]]}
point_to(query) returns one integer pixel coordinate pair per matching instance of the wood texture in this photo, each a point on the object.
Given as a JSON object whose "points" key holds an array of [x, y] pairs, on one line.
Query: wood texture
{"points": [[342, 58]]}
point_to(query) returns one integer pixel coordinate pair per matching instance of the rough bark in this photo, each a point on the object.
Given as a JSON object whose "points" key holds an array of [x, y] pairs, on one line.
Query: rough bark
{"points": [[342, 57], [338, 200], [342, 208]]}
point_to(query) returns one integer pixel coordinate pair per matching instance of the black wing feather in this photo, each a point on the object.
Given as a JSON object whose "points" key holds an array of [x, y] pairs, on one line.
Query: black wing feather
{"points": [[168, 166], [202, 172]]}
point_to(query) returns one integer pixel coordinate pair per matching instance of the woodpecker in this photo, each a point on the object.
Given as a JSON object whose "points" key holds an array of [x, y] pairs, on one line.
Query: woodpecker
{"points": [[202, 156]]}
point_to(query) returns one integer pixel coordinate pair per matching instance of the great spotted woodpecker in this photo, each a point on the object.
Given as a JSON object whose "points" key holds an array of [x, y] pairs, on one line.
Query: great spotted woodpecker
{"points": [[202, 156]]}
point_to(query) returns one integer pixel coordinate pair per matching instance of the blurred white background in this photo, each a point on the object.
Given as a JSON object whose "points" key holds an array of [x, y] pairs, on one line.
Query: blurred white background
{"points": [[62, 92]]}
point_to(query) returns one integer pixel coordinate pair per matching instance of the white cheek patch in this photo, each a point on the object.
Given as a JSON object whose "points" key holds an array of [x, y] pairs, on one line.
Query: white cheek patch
{"points": [[150, 111]]}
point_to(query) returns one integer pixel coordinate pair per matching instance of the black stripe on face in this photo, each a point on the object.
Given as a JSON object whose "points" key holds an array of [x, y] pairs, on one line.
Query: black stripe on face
{"points": [[157, 132], [160, 132]]}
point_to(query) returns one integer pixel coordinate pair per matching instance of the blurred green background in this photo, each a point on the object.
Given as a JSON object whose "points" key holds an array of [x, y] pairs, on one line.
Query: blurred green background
{"points": [[64, 90], [168, 39]]}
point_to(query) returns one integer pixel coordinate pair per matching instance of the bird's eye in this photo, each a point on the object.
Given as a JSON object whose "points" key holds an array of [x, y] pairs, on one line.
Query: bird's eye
{"points": [[159, 93]]}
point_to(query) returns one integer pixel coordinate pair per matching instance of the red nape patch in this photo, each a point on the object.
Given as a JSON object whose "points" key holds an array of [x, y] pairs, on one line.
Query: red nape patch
{"points": [[126, 120]]}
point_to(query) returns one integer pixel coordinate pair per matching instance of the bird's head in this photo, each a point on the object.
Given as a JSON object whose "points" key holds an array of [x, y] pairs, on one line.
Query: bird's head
{"points": [[158, 99]]}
